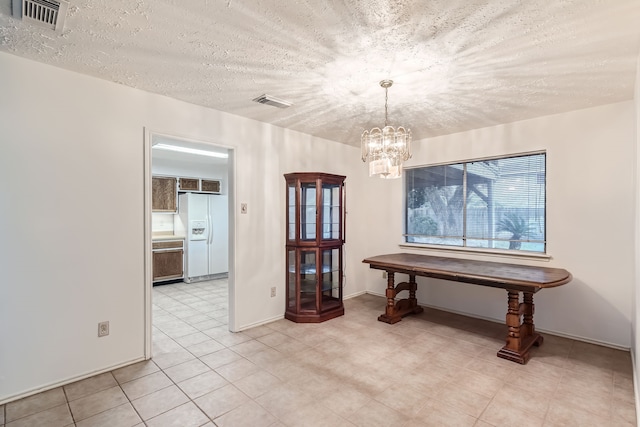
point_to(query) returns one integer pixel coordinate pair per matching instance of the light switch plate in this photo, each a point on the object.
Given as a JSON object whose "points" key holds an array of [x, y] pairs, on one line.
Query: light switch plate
{"points": [[243, 208]]}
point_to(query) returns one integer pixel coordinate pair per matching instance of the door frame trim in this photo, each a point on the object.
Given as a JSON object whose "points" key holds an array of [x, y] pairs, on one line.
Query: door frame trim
{"points": [[149, 134]]}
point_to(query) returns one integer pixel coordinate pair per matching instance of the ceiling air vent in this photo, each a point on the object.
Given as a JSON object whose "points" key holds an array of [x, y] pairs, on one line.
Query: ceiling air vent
{"points": [[272, 100], [46, 13]]}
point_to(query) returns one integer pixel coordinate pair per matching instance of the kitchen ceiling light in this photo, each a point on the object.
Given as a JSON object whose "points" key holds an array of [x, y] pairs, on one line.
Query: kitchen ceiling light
{"points": [[386, 149], [273, 101], [190, 151]]}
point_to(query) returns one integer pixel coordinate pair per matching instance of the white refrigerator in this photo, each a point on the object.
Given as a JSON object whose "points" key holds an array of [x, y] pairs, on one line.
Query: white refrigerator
{"points": [[204, 220]]}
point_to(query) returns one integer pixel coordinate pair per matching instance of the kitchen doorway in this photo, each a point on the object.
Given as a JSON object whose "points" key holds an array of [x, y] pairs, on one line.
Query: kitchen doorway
{"points": [[204, 176]]}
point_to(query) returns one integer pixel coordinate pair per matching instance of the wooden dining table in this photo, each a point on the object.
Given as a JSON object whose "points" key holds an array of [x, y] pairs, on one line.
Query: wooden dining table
{"points": [[516, 279]]}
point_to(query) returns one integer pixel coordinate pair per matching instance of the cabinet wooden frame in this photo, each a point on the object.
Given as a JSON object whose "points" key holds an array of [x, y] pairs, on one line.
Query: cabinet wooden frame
{"points": [[164, 188], [164, 194], [213, 186], [314, 248], [168, 260], [188, 184]]}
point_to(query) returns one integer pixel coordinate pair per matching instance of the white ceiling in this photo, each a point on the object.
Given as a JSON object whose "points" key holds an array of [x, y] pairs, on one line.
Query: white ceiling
{"points": [[457, 64]]}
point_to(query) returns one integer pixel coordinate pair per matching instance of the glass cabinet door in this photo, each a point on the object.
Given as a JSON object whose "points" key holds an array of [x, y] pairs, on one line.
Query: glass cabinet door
{"points": [[330, 219], [331, 288], [291, 279], [291, 210], [308, 280], [308, 211]]}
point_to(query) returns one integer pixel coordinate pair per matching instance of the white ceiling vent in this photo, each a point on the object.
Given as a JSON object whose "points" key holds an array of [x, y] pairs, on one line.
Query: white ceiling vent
{"points": [[272, 100], [46, 13]]}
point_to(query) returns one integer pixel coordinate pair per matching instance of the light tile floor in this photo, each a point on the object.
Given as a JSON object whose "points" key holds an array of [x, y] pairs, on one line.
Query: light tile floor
{"points": [[435, 369]]}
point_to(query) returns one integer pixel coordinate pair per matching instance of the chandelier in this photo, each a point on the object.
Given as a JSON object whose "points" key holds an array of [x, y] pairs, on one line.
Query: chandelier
{"points": [[386, 149]]}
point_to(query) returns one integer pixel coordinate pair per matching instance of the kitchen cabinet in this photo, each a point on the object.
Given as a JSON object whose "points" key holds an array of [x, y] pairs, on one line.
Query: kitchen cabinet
{"points": [[164, 194], [168, 260], [188, 184], [210, 186], [315, 237], [199, 185]]}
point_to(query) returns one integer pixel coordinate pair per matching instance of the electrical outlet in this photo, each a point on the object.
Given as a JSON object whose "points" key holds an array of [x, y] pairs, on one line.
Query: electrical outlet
{"points": [[273, 292], [384, 274], [103, 329], [243, 208]]}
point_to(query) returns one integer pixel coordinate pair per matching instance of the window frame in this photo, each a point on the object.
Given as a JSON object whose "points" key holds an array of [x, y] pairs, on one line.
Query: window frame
{"points": [[515, 253]]}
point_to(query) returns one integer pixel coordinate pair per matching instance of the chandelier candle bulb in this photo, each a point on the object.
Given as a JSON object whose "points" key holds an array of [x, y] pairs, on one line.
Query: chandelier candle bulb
{"points": [[386, 149]]}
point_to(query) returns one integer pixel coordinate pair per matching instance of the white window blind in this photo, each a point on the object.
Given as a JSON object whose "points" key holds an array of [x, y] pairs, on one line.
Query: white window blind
{"points": [[497, 203]]}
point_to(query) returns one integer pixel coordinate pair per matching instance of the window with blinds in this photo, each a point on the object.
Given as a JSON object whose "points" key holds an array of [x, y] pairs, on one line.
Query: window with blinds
{"points": [[496, 203]]}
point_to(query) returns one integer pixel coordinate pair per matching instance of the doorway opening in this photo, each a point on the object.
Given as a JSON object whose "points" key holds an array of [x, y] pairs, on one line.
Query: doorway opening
{"points": [[197, 230]]}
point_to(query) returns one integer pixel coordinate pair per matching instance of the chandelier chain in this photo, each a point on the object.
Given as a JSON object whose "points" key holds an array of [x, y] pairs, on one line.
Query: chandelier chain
{"points": [[386, 100]]}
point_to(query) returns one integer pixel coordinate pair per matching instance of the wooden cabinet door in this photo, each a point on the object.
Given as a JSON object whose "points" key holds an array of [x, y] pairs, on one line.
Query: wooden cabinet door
{"points": [[164, 194], [167, 264], [210, 186], [189, 184]]}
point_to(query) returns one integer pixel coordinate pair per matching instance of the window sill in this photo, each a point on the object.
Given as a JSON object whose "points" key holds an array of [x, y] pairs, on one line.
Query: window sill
{"points": [[478, 251]]}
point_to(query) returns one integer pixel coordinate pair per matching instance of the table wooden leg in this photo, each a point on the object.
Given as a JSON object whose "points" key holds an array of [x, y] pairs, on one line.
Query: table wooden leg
{"points": [[395, 311], [413, 286], [527, 314], [390, 315], [411, 306], [522, 333]]}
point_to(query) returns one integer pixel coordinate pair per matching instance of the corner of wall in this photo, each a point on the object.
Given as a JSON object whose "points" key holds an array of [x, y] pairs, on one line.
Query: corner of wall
{"points": [[635, 320]]}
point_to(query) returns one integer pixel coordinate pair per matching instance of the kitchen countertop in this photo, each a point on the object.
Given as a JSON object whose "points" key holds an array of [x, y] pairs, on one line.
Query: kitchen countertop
{"points": [[158, 236]]}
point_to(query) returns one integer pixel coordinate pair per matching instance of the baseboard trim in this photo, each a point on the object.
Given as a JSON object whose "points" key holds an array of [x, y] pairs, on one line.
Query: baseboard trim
{"points": [[70, 380], [636, 383], [357, 294], [546, 331], [275, 318], [260, 323]]}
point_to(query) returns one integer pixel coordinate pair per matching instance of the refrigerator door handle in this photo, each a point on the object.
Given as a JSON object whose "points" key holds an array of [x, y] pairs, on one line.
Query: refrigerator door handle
{"points": [[210, 237]]}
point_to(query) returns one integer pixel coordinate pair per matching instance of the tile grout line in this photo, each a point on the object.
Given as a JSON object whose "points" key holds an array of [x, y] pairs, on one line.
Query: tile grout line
{"points": [[66, 398], [130, 402], [163, 388], [564, 373], [180, 388]]}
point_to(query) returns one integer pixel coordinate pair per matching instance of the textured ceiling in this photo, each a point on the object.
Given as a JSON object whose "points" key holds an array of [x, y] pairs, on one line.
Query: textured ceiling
{"points": [[457, 64]]}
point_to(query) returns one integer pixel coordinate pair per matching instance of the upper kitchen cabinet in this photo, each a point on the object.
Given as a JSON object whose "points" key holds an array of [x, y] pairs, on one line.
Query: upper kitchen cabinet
{"points": [[210, 185], [164, 194], [189, 184], [199, 185]]}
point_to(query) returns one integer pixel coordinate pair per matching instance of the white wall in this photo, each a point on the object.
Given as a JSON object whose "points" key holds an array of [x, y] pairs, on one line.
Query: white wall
{"points": [[72, 228], [590, 220]]}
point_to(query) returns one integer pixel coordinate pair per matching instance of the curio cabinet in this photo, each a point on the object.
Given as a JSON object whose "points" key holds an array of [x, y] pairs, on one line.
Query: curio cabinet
{"points": [[315, 237]]}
